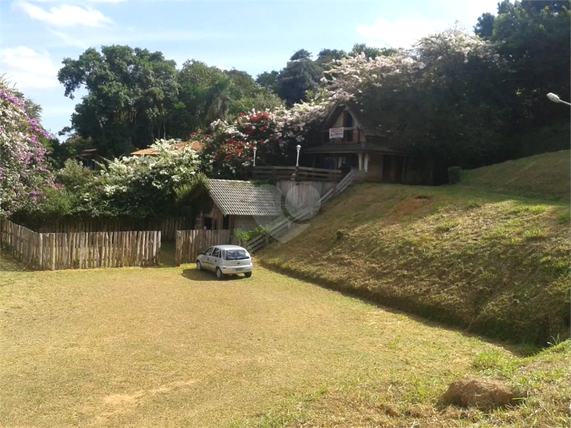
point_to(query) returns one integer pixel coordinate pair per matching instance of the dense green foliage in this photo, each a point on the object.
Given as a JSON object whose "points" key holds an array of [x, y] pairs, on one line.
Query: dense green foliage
{"points": [[533, 38], [135, 96], [168, 184], [130, 95]]}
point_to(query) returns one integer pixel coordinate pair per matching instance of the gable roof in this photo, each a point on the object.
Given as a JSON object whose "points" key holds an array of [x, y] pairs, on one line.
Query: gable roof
{"points": [[368, 121], [236, 197]]}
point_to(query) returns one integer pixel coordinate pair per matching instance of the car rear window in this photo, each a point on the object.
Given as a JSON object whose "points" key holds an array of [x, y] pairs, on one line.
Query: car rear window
{"points": [[236, 254]]}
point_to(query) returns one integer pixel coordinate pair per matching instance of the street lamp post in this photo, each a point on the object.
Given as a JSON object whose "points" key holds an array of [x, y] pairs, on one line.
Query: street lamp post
{"points": [[298, 147], [555, 98]]}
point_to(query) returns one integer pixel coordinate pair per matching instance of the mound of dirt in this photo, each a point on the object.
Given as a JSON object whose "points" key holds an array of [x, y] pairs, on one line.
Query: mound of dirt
{"points": [[481, 393]]}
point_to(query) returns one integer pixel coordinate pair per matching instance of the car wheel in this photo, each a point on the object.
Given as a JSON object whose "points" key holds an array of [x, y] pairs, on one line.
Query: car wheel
{"points": [[248, 274], [219, 274], [198, 265]]}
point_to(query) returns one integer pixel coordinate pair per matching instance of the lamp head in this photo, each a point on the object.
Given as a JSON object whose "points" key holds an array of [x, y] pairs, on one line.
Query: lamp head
{"points": [[553, 97]]}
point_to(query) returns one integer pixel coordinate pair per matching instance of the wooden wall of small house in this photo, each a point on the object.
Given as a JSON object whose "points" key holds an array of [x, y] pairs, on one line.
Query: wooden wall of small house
{"points": [[216, 216], [248, 222], [398, 169], [375, 168], [419, 171], [393, 167]]}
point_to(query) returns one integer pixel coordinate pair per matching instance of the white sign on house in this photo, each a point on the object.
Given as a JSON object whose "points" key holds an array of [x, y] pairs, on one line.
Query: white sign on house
{"points": [[335, 133]]}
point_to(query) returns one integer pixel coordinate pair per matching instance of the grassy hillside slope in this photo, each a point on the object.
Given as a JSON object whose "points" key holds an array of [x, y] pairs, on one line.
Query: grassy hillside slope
{"points": [[491, 263], [543, 176]]}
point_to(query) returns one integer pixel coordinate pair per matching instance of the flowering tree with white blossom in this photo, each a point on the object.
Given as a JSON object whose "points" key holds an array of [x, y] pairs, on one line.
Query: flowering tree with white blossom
{"points": [[24, 172], [441, 98]]}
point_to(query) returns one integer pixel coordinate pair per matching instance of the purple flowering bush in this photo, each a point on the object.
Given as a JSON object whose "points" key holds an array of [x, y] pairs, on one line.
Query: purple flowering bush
{"points": [[24, 172]]}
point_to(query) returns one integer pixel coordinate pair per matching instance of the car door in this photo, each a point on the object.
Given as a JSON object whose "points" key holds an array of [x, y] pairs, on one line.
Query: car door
{"points": [[206, 259], [216, 258]]}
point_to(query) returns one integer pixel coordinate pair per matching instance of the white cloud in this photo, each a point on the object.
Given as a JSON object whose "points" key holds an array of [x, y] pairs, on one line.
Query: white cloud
{"points": [[402, 33], [27, 68], [65, 15], [77, 1], [125, 36]]}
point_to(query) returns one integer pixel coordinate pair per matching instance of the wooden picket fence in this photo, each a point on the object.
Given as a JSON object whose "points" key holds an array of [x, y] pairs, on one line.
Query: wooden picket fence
{"points": [[82, 250], [190, 243]]}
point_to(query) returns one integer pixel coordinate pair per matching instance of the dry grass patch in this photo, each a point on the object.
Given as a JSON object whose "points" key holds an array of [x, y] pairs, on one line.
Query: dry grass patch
{"points": [[173, 347]]}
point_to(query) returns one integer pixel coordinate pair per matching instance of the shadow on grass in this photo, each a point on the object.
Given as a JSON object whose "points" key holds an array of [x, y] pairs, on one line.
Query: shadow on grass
{"points": [[202, 276]]}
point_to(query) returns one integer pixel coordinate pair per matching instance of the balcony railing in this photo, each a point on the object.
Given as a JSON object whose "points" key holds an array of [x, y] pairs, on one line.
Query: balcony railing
{"points": [[300, 173]]}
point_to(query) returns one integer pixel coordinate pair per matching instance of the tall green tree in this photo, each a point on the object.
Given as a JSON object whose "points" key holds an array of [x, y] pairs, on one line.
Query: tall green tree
{"points": [[485, 26], [209, 93], [268, 80], [300, 75], [371, 52], [534, 39], [195, 80], [129, 95]]}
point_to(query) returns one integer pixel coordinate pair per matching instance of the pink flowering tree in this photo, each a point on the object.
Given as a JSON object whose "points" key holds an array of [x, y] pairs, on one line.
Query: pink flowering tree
{"points": [[229, 151], [24, 173]]}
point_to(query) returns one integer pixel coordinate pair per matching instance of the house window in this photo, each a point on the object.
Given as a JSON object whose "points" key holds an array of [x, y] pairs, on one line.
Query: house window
{"points": [[348, 123], [226, 222], [207, 223], [348, 135], [347, 120]]}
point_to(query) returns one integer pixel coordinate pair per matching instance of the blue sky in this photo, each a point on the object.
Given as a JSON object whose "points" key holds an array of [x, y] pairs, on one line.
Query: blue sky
{"points": [[250, 35]]}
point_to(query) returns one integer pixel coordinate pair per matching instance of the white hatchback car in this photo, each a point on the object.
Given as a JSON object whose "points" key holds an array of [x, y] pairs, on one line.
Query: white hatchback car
{"points": [[225, 260]]}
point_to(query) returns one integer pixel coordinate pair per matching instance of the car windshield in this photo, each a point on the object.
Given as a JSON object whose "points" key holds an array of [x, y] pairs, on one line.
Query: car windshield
{"points": [[236, 254]]}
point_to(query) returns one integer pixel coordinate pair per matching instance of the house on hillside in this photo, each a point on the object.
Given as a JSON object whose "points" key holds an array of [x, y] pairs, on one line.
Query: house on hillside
{"points": [[91, 159], [356, 140], [240, 205]]}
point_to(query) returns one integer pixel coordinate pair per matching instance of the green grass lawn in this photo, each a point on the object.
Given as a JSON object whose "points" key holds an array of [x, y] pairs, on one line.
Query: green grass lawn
{"points": [[545, 176], [173, 347]]}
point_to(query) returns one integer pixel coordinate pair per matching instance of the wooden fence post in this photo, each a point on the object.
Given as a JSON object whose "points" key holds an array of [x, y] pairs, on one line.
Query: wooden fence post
{"points": [[52, 238], [178, 248]]}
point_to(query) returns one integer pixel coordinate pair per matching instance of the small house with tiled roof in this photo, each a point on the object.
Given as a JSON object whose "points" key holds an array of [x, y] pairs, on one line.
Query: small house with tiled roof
{"points": [[242, 205], [356, 139]]}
